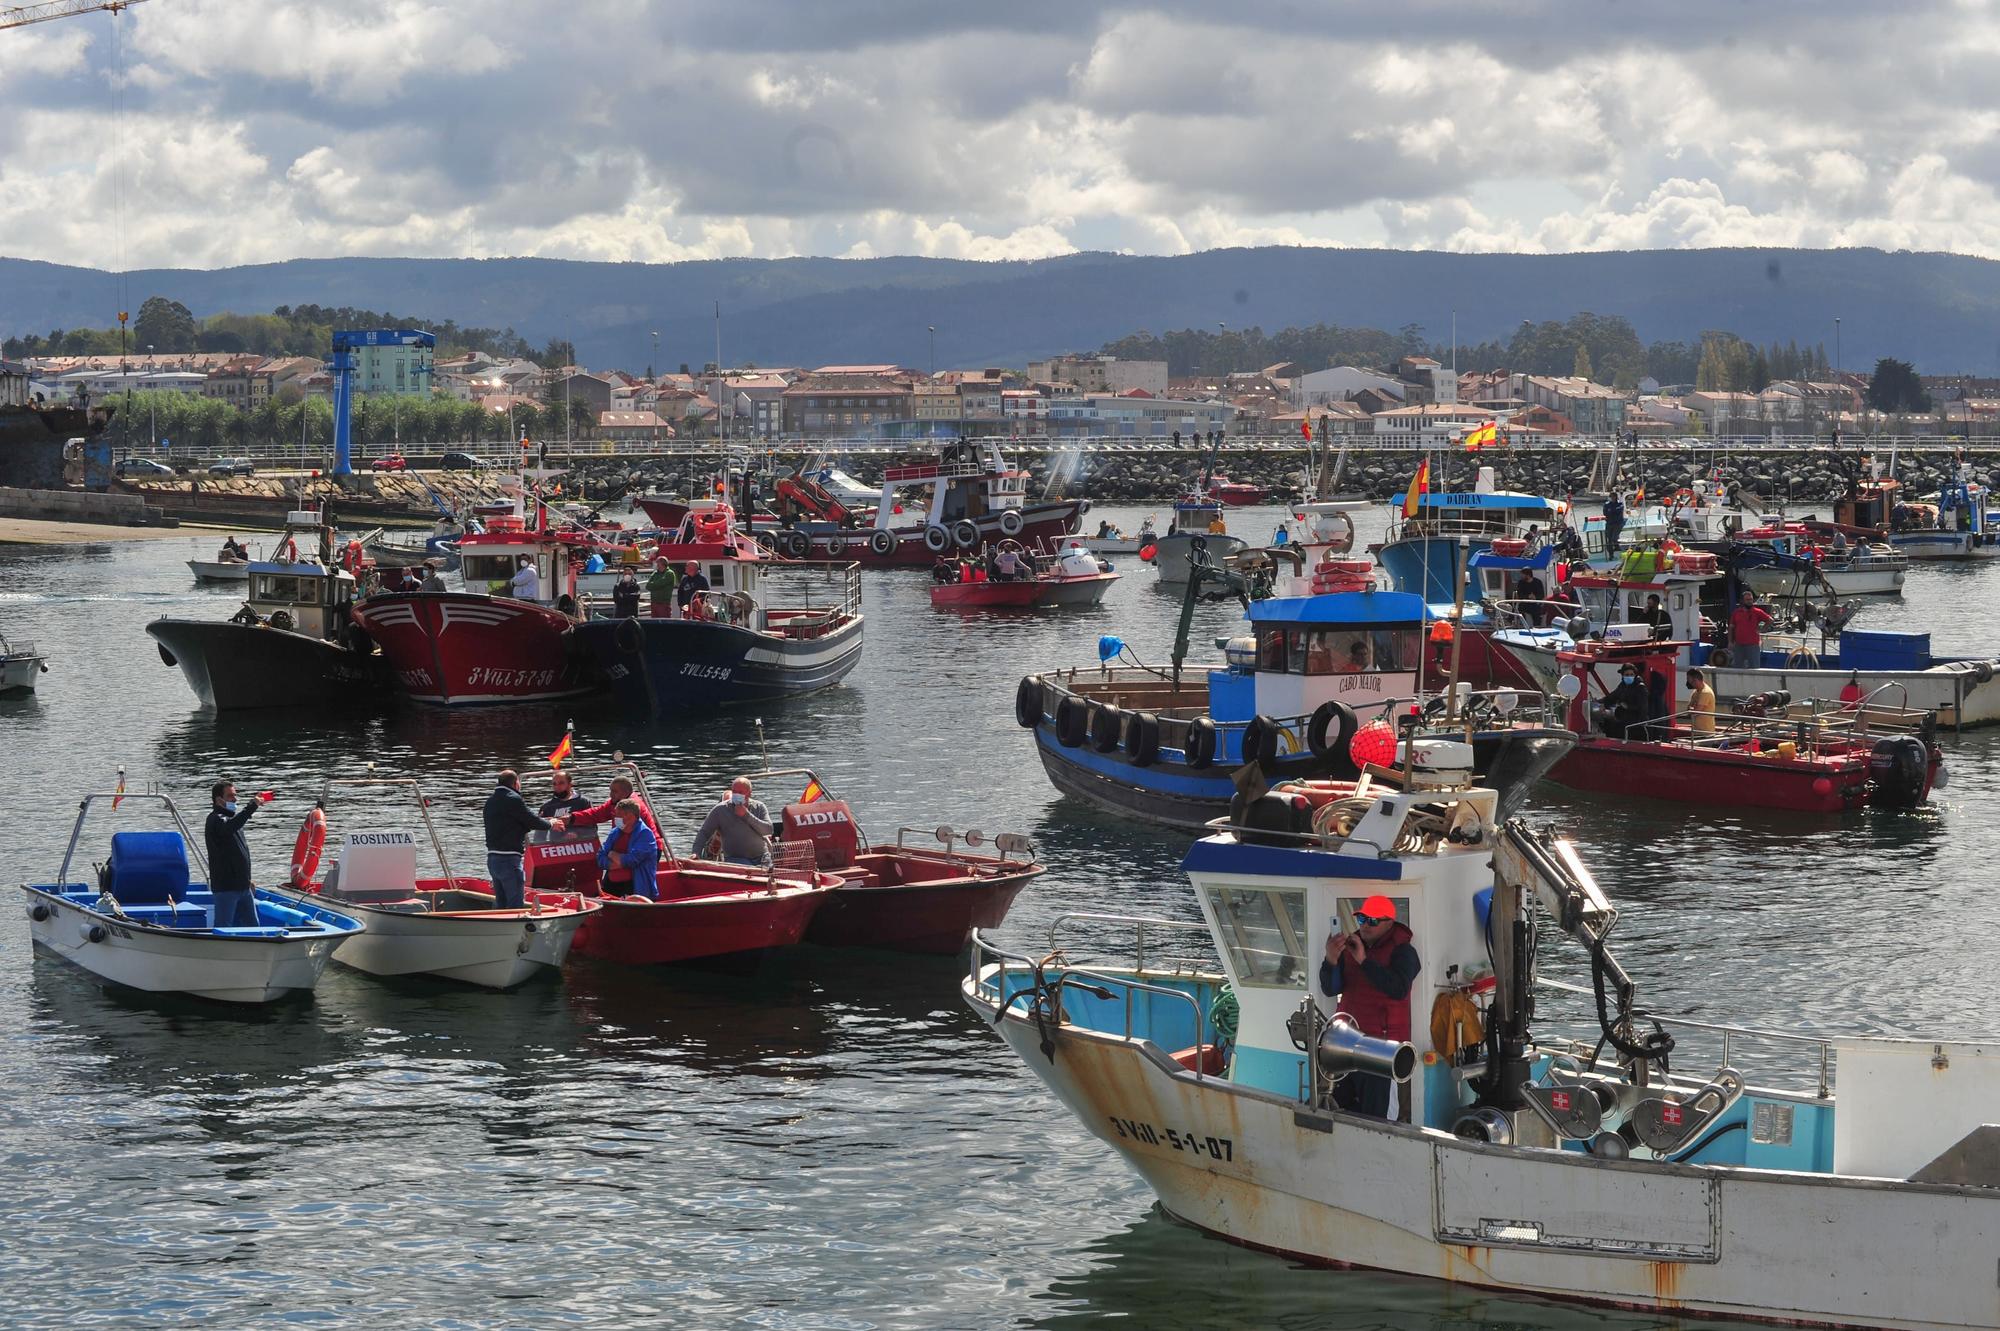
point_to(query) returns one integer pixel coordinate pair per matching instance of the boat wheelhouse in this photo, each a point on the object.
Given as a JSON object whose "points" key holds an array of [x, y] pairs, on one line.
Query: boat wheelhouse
{"points": [[1425, 553]]}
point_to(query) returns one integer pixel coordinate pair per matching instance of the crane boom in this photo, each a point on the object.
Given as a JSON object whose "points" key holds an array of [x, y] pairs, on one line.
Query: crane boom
{"points": [[22, 15]]}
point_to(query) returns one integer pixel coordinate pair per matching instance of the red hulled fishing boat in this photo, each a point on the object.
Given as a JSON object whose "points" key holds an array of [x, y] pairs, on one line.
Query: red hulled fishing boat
{"points": [[1237, 494], [902, 897], [1636, 741], [499, 640], [1074, 577]]}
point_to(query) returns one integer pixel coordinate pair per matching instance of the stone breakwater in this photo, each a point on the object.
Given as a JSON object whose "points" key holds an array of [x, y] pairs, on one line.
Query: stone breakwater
{"points": [[1795, 475]]}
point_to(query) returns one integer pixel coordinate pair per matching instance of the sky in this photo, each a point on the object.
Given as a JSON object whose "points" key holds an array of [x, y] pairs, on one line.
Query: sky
{"points": [[206, 133]]}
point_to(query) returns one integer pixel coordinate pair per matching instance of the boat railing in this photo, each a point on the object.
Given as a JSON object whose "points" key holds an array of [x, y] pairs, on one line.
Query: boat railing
{"points": [[1006, 843], [118, 797], [836, 582], [1139, 924], [1031, 969], [1731, 1035], [1517, 613]]}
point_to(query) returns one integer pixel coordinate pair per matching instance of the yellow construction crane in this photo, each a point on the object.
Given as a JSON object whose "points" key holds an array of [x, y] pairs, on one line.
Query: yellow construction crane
{"points": [[22, 15]]}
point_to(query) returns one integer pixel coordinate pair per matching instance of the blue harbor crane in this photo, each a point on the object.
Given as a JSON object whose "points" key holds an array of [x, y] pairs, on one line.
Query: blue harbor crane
{"points": [[345, 341]]}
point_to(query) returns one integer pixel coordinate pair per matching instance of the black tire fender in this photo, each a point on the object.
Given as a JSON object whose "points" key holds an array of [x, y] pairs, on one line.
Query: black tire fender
{"points": [[1011, 522], [1200, 743], [1072, 721], [966, 532], [936, 539], [1028, 702], [1260, 740], [631, 639], [1107, 728], [1142, 738], [1331, 730], [883, 542]]}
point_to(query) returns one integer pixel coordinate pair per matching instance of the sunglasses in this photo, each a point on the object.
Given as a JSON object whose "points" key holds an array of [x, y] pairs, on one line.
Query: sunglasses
{"points": [[1365, 919]]}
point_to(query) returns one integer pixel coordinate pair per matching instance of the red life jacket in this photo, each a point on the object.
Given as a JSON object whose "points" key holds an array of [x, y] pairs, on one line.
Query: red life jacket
{"points": [[1373, 1011]]}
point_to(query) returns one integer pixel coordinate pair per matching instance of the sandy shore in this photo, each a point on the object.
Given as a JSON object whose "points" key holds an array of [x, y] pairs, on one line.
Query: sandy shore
{"points": [[34, 531]]}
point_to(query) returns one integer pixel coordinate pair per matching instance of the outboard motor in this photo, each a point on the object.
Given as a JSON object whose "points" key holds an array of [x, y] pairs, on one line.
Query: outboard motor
{"points": [[1897, 769]]}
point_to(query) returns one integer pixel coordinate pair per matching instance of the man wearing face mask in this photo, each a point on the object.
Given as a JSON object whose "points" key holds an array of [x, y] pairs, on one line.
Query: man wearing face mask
{"points": [[1624, 708], [740, 824], [229, 857]]}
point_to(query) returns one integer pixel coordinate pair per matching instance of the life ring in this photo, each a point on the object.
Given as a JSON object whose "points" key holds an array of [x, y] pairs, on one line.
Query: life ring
{"points": [[1200, 744], [306, 848], [1338, 716], [288, 551], [631, 638], [936, 539], [1142, 739], [1107, 728], [883, 542], [1260, 739], [768, 540], [1718, 658], [1072, 721], [711, 527], [797, 544], [1011, 522], [1028, 702], [966, 532]]}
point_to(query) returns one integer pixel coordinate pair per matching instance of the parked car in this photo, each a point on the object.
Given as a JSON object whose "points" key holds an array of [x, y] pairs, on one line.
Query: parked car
{"points": [[391, 462], [463, 462], [128, 467], [232, 467]]}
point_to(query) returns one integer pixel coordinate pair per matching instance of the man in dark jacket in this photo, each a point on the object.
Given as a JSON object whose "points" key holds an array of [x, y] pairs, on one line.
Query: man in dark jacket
{"points": [[508, 821], [229, 857], [566, 800], [1370, 971]]}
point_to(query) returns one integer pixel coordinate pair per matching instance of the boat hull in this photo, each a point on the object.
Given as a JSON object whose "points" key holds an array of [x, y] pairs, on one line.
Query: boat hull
{"points": [[1956, 691], [1428, 566], [655, 666], [235, 667], [634, 932], [1780, 581], [1040, 525], [493, 949], [19, 673], [1656, 772], [467, 648], [216, 570], [1340, 1190], [1946, 544], [1041, 593], [157, 961], [1170, 554], [935, 917], [1172, 794]]}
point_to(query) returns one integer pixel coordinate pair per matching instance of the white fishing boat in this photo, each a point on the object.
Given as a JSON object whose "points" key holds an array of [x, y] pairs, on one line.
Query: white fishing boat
{"points": [[220, 570], [438, 924], [147, 924], [1112, 540], [21, 667], [1513, 1157], [1793, 560]]}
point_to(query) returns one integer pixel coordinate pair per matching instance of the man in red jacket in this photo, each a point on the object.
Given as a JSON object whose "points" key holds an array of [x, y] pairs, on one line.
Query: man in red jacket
{"points": [[621, 789], [1370, 971]]}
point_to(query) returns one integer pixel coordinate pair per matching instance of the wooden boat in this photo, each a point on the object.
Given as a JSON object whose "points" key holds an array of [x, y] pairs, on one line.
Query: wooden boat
{"points": [[436, 924], [1070, 579], [147, 924]]}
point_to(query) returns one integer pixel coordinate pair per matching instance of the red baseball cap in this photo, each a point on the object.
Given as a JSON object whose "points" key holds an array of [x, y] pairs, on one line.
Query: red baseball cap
{"points": [[1378, 907]]}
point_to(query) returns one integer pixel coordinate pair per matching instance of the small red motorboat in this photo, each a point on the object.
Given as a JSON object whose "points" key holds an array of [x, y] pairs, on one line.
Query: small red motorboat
{"points": [[704, 910], [1237, 494], [901, 897], [1768, 756], [1074, 577]]}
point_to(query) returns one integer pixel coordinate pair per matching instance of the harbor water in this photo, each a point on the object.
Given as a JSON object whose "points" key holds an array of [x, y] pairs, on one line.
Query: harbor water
{"points": [[832, 1141]]}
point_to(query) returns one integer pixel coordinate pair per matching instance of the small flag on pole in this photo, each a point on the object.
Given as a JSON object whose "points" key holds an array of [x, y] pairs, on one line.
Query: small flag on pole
{"points": [[1419, 484], [563, 750], [119, 795], [1486, 436], [813, 791], [1306, 425]]}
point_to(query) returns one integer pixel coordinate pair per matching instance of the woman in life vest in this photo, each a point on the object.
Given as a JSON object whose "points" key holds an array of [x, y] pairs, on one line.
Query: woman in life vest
{"points": [[1370, 971]]}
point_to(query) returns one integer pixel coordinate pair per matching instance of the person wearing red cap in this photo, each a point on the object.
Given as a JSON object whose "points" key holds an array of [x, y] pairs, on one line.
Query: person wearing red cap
{"points": [[1370, 971]]}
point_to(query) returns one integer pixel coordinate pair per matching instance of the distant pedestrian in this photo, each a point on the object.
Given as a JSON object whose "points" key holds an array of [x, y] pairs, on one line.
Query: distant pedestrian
{"points": [[229, 857]]}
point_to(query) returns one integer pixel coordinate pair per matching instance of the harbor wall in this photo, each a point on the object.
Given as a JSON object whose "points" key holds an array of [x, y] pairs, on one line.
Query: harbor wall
{"points": [[119, 510]]}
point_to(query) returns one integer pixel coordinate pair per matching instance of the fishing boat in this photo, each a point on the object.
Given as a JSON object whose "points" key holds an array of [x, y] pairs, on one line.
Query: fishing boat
{"points": [[1705, 514], [1065, 580], [484, 644], [437, 924], [1790, 559], [1954, 523], [1959, 689], [1519, 1155], [900, 896], [147, 924], [220, 570], [1611, 604], [1427, 553], [738, 642], [1291, 696], [1766, 754], [21, 667], [1198, 526], [294, 642]]}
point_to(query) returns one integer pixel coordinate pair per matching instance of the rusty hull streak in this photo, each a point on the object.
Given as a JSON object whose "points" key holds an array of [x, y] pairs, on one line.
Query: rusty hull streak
{"points": [[1666, 1282]]}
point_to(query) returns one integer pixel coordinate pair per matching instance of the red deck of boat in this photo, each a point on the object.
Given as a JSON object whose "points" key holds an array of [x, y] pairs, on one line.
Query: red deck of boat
{"points": [[910, 901], [704, 910]]}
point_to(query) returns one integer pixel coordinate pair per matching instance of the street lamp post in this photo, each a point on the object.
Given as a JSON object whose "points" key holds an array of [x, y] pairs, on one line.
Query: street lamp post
{"points": [[152, 410], [655, 368], [933, 361], [1836, 349]]}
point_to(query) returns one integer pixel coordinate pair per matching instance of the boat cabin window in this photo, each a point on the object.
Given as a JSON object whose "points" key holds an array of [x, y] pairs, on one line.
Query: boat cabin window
{"points": [[487, 568], [1271, 649], [1329, 651], [1263, 930], [290, 590]]}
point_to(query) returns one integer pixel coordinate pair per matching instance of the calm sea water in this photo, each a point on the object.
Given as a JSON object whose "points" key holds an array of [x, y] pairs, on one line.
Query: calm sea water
{"points": [[833, 1142]]}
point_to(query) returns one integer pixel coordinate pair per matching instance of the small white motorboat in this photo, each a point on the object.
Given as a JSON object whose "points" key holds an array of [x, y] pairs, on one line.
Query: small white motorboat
{"points": [[220, 570], [1111, 540], [21, 666], [438, 925], [1454, 1132], [147, 925]]}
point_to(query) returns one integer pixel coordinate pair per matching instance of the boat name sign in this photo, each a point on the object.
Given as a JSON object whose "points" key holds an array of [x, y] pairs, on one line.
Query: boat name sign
{"points": [[1215, 1148]]}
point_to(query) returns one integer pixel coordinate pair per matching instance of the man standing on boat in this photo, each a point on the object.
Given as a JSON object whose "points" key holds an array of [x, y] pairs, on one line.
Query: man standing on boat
{"points": [[629, 859], [1746, 632], [566, 800], [621, 790], [692, 585], [1701, 704], [741, 824], [1614, 522], [229, 857], [660, 588], [508, 821], [527, 581], [1370, 971]]}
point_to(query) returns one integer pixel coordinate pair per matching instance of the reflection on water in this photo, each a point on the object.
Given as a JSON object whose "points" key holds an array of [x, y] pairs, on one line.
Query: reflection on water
{"points": [[832, 1140]]}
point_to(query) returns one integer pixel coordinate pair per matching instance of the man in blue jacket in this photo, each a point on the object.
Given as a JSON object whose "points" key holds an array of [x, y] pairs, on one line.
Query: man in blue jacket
{"points": [[629, 859], [229, 857], [508, 821]]}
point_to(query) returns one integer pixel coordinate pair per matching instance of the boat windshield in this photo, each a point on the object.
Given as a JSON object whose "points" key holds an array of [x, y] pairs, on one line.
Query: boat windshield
{"points": [[487, 568], [1262, 931], [1304, 650], [283, 587]]}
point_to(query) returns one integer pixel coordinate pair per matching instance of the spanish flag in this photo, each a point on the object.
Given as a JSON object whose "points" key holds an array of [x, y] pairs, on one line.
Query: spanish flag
{"points": [[118, 796], [1486, 436], [813, 791], [563, 750], [1306, 425], [1420, 485]]}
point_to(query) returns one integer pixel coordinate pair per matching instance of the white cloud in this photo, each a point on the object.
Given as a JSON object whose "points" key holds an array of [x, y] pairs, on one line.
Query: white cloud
{"points": [[600, 129]]}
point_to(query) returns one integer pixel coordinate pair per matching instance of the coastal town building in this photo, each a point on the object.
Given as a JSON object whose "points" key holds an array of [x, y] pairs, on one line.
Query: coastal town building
{"points": [[1101, 374]]}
